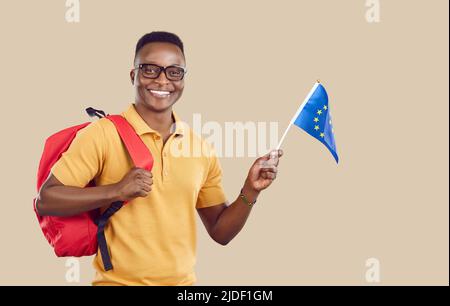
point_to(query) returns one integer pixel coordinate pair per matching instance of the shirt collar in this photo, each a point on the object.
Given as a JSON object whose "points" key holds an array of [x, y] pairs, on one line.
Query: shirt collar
{"points": [[141, 127]]}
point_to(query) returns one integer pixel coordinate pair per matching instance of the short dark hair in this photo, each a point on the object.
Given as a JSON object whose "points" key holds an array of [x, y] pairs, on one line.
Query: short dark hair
{"points": [[159, 36]]}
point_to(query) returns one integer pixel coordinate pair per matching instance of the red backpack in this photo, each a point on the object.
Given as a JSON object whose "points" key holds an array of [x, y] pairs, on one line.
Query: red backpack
{"points": [[83, 234]]}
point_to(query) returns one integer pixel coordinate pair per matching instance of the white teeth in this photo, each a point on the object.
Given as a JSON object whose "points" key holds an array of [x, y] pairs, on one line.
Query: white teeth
{"points": [[160, 93]]}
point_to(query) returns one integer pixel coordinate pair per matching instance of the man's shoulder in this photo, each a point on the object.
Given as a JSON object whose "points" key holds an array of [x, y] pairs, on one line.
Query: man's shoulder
{"points": [[101, 126], [96, 131]]}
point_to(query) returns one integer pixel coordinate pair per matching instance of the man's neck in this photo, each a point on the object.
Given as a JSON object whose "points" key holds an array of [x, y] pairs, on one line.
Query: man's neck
{"points": [[160, 122]]}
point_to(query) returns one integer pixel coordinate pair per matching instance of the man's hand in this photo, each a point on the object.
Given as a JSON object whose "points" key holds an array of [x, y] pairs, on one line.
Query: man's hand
{"points": [[263, 171], [136, 183]]}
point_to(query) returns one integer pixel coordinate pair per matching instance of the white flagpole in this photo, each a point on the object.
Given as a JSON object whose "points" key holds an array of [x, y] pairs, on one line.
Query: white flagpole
{"points": [[298, 112]]}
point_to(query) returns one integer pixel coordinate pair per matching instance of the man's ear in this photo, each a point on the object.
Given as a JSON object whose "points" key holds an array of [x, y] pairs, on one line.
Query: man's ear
{"points": [[132, 75]]}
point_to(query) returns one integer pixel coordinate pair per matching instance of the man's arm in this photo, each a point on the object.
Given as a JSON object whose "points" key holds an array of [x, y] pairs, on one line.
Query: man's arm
{"points": [[56, 199], [223, 222]]}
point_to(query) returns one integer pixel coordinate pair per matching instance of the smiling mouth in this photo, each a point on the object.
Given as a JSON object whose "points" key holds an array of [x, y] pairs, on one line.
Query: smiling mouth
{"points": [[159, 93]]}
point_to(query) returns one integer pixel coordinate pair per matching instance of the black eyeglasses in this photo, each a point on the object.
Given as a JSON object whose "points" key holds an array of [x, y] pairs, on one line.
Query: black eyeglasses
{"points": [[152, 71]]}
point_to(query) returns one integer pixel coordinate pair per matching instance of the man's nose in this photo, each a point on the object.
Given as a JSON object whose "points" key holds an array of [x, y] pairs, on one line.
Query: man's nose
{"points": [[162, 79]]}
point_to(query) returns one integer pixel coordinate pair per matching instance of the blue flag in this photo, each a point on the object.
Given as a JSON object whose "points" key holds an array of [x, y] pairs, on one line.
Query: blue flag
{"points": [[314, 118]]}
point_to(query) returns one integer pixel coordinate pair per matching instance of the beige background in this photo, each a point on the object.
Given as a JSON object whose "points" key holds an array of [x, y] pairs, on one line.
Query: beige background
{"points": [[318, 223]]}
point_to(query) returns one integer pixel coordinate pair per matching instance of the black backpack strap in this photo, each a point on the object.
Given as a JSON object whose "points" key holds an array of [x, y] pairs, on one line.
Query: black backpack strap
{"points": [[92, 112], [101, 238]]}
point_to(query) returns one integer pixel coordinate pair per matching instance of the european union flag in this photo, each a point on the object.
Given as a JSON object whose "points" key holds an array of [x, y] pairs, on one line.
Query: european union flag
{"points": [[314, 118]]}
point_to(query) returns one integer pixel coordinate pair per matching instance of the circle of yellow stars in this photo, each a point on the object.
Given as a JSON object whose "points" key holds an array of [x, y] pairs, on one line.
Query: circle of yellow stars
{"points": [[316, 120]]}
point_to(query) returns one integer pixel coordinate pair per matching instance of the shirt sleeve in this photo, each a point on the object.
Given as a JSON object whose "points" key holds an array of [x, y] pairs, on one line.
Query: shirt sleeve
{"points": [[84, 159], [211, 192]]}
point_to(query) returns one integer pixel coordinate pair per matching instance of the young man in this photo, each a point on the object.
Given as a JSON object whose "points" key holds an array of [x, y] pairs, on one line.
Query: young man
{"points": [[152, 239]]}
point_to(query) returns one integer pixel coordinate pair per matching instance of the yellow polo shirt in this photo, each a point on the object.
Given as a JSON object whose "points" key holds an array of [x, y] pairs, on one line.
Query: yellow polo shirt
{"points": [[152, 240]]}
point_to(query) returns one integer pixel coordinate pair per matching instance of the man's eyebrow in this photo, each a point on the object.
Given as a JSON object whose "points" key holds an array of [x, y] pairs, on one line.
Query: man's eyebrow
{"points": [[154, 63]]}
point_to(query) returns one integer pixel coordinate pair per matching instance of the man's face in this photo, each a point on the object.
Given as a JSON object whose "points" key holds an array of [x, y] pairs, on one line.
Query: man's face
{"points": [[149, 91]]}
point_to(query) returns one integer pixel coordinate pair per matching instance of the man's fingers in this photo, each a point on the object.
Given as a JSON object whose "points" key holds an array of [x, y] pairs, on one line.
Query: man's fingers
{"points": [[267, 164], [272, 176], [275, 153], [149, 184], [272, 155], [142, 171], [269, 175], [148, 181], [147, 188], [146, 178], [272, 169], [143, 194], [147, 173]]}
